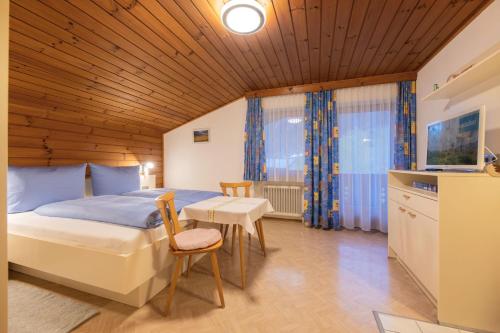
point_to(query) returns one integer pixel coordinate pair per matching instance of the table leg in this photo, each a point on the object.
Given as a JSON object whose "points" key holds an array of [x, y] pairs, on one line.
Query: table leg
{"points": [[242, 256], [260, 234], [190, 260], [262, 239], [233, 238]]}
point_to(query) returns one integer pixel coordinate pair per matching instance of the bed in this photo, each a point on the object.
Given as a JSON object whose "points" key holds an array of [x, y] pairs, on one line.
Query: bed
{"points": [[129, 265]]}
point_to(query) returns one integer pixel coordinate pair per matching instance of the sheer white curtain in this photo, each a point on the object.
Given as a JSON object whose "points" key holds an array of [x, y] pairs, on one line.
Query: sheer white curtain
{"points": [[284, 131], [366, 120]]}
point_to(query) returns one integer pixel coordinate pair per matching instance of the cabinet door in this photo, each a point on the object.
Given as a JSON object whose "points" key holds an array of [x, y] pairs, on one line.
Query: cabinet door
{"points": [[394, 232], [409, 233], [423, 249]]}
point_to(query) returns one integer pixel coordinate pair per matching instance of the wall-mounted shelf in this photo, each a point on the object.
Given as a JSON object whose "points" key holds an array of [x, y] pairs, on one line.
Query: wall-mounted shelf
{"points": [[484, 70]]}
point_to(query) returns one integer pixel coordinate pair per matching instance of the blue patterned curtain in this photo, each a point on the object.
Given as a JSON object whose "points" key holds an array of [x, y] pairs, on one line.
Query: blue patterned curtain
{"points": [[255, 155], [405, 153], [321, 169]]}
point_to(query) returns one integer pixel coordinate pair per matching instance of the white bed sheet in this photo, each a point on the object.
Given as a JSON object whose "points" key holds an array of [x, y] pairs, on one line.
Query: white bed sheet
{"points": [[83, 233]]}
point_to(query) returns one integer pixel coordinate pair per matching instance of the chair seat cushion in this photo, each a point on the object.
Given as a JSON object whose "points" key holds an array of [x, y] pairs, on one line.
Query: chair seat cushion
{"points": [[197, 238]]}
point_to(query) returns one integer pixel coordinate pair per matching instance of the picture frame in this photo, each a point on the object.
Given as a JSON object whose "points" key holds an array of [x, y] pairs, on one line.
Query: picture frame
{"points": [[201, 135]]}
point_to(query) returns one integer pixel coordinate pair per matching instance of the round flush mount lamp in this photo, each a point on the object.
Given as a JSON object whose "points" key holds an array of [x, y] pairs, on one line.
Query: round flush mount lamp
{"points": [[243, 17]]}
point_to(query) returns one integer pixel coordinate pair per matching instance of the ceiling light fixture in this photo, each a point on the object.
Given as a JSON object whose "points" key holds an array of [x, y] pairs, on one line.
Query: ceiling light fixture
{"points": [[243, 17]]}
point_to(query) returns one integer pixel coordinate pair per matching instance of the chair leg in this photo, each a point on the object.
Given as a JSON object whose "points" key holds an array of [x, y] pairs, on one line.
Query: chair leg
{"points": [[242, 256], [190, 261], [221, 228], [218, 281], [225, 232], [233, 239], [173, 283], [182, 267], [195, 224], [261, 234]]}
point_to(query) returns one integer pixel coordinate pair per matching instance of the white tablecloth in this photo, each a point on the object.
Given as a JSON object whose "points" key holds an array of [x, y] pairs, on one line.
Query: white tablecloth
{"points": [[228, 210]]}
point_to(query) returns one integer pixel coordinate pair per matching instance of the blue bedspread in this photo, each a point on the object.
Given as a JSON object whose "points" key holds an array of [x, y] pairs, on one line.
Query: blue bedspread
{"points": [[190, 196], [134, 209], [128, 211]]}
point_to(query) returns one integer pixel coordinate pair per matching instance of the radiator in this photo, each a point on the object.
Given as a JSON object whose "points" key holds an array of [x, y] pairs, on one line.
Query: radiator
{"points": [[287, 201]]}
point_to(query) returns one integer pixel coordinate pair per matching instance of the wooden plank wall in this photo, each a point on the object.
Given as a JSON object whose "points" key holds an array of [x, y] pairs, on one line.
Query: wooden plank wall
{"points": [[45, 132]]}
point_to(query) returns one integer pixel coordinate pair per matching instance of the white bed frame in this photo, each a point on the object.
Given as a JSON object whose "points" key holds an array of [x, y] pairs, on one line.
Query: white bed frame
{"points": [[132, 279]]}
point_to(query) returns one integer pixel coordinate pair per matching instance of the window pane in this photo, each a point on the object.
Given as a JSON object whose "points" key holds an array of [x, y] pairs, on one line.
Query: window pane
{"points": [[284, 144], [364, 143], [366, 131]]}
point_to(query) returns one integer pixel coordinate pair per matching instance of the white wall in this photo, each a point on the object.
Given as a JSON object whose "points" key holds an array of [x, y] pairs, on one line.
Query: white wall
{"points": [[481, 37], [203, 165]]}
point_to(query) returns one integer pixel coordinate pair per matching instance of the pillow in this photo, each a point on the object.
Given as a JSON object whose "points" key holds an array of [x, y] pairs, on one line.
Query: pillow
{"points": [[31, 187], [114, 180]]}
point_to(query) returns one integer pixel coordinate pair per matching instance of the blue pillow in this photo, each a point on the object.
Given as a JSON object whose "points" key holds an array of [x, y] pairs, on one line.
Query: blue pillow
{"points": [[114, 180], [31, 187]]}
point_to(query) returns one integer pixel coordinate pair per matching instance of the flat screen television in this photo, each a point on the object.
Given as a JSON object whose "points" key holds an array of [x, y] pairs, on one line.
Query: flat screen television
{"points": [[457, 143]]}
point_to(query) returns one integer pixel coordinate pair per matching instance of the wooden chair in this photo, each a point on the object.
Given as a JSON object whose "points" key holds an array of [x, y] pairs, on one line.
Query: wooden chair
{"points": [[234, 187], [188, 243], [258, 224]]}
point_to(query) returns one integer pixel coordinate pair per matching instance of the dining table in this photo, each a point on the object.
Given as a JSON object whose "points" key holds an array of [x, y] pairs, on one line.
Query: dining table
{"points": [[244, 212]]}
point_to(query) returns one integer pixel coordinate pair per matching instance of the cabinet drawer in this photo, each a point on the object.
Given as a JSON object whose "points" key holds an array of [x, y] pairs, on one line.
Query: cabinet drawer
{"points": [[415, 202]]}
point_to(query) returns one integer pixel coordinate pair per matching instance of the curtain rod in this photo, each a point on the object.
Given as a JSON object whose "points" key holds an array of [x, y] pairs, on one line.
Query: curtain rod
{"points": [[349, 83]]}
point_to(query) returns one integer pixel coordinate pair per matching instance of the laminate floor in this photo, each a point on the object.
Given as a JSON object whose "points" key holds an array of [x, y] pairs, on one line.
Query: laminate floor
{"points": [[310, 281]]}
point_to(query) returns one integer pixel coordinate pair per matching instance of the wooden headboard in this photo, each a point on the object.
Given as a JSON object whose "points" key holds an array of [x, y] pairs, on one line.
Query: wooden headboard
{"points": [[42, 135]]}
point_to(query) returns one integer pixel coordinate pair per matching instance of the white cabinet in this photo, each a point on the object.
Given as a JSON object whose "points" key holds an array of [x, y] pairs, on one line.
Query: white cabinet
{"points": [[413, 235], [449, 242]]}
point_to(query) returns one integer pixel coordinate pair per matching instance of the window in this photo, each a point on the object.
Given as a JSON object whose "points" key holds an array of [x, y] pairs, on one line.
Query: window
{"points": [[284, 131], [366, 120]]}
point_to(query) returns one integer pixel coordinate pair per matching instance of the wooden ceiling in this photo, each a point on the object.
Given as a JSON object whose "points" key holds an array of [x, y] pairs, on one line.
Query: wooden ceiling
{"points": [[162, 63]]}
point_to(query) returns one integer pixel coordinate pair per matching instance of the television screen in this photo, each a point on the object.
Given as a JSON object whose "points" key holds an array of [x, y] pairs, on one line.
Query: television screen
{"points": [[454, 141]]}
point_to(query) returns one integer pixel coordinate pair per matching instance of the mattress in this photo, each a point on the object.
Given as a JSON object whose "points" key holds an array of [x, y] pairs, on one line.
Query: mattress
{"points": [[83, 233]]}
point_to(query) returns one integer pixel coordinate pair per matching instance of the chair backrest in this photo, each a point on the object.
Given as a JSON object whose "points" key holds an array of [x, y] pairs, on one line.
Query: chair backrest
{"points": [[234, 186], [166, 205]]}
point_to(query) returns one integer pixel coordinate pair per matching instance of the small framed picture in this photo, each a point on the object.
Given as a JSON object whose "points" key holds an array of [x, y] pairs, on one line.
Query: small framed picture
{"points": [[201, 135]]}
